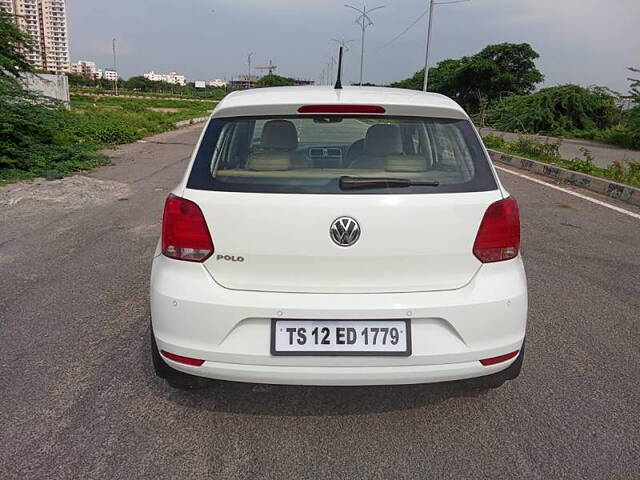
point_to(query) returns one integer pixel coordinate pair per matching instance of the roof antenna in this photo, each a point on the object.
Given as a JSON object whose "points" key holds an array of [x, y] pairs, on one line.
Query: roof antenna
{"points": [[339, 79]]}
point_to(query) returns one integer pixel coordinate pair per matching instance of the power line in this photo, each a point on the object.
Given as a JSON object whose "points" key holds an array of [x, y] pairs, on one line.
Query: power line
{"points": [[413, 24]]}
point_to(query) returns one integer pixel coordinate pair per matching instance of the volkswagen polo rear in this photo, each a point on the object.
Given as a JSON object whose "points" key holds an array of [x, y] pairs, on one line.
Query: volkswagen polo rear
{"points": [[339, 237]]}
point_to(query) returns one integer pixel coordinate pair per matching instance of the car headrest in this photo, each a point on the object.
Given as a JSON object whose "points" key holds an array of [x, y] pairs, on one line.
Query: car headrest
{"points": [[280, 135], [383, 140], [269, 162]]}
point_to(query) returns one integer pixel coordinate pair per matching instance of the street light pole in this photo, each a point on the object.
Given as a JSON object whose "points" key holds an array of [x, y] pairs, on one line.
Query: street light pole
{"points": [[115, 67], [426, 59], [363, 21], [362, 46], [249, 63], [432, 4]]}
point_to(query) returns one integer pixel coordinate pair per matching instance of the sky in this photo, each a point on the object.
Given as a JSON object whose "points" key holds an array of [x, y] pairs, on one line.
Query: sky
{"points": [[587, 42]]}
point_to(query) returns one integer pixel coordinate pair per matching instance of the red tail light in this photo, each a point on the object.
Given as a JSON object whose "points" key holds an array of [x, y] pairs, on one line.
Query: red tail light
{"points": [[495, 360], [194, 362], [498, 238], [377, 109], [185, 235]]}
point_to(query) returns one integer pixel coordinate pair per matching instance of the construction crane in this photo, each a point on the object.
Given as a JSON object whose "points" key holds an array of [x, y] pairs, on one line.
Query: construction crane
{"points": [[271, 67]]}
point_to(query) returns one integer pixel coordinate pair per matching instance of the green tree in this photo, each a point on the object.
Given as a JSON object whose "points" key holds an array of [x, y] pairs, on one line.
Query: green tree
{"points": [[273, 80], [480, 79], [634, 89], [142, 84], [77, 80], [12, 47]]}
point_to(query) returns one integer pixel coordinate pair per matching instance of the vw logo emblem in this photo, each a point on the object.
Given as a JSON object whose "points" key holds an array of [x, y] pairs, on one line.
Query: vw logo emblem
{"points": [[344, 231]]}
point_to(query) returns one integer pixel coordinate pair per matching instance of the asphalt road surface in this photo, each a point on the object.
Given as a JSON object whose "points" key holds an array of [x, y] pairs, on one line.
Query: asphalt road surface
{"points": [[79, 399], [603, 154]]}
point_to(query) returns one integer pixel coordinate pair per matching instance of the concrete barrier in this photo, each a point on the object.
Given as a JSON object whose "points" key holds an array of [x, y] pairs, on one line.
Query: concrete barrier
{"points": [[47, 84], [191, 121], [615, 190]]}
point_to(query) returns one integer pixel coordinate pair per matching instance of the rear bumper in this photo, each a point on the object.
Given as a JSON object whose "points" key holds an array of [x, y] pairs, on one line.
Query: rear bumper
{"points": [[292, 375], [452, 330]]}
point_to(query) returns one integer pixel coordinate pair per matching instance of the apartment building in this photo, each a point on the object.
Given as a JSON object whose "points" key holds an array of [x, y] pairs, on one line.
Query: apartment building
{"points": [[86, 69], [171, 77], [46, 22], [218, 83], [110, 75]]}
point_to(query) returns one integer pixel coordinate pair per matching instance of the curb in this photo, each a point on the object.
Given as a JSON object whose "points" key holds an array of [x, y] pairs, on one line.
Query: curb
{"points": [[615, 190], [191, 121]]}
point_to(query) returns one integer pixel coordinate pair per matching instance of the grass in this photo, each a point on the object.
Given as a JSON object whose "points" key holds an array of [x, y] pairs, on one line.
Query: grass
{"points": [[210, 96], [56, 142], [109, 121], [549, 152]]}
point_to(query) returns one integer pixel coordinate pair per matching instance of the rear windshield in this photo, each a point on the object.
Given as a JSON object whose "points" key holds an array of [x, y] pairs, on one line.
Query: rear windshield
{"points": [[316, 154]]}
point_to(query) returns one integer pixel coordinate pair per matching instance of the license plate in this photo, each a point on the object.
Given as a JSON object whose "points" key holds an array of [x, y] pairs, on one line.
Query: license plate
{"points": [[340, 337]]}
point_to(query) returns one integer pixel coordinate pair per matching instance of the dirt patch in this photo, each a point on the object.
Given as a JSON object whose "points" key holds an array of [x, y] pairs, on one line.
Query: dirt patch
{"points": [[164, 110], [69, 193], [565, 205]]}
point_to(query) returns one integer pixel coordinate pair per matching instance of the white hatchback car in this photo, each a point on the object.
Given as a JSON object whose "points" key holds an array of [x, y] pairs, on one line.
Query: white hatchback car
{"points": [[339, 237]]}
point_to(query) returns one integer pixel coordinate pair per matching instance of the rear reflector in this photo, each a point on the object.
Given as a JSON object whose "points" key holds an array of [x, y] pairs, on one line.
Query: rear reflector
{"points": [[498, 237], [185, 235], [342, 109], [194, 362], [502, 358]]}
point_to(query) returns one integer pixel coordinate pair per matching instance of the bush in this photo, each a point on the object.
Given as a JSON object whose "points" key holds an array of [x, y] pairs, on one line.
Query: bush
{"points": [[583, 165], [547, 152], [38, 137], [493, 141], [626, 134], [556, 111], [529, 146], [32, 140]]}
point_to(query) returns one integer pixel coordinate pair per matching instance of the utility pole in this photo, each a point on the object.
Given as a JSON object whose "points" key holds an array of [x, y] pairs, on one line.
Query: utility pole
{"points": [[432, 4], [115, 67], [426, 59], [249, 63], [363, 21]]}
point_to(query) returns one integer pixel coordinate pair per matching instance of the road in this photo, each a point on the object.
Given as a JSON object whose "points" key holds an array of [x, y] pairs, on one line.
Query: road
{"points": [[603, 154], [79, 399]]}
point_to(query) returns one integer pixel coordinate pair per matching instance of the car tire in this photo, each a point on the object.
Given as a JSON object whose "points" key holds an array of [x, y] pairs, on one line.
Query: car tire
{"points": [[496, 380], [176, 379]]}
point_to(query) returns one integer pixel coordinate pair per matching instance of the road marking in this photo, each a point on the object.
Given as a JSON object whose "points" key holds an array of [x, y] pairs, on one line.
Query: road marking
{"points": [[571, 192]]}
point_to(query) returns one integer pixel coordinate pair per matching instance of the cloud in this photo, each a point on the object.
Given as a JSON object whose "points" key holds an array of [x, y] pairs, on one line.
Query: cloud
{"points": [[581, 41]]}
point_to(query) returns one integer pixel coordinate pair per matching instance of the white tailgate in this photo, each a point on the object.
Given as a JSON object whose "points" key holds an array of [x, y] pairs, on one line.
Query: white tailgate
{"points": [[281, 242]]}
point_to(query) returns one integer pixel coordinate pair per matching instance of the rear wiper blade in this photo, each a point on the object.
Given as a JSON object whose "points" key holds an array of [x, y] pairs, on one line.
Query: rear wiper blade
{"points": [[353, 183]]}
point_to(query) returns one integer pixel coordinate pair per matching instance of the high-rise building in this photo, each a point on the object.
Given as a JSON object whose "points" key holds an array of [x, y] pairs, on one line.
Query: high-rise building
{"points": [[46, 22]]}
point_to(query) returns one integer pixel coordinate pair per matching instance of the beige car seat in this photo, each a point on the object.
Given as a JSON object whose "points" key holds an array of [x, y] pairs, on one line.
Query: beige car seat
{"points": [[278, 145]]}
